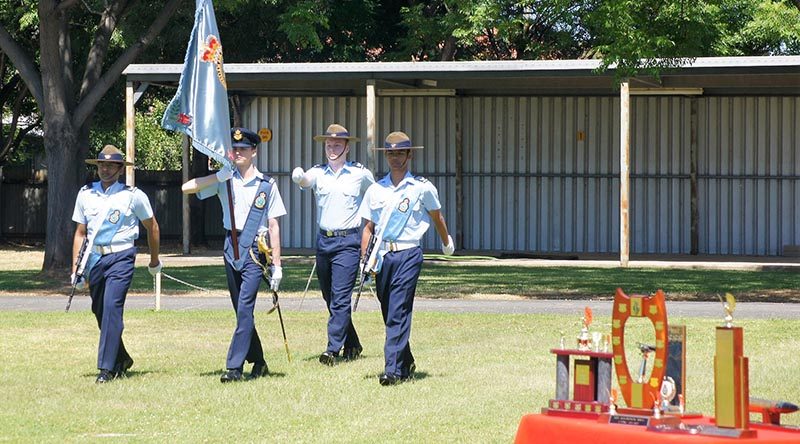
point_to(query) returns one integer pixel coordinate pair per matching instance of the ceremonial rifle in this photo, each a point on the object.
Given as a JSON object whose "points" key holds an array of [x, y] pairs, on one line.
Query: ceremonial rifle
{"points": [[366, 266], [78, 271]]}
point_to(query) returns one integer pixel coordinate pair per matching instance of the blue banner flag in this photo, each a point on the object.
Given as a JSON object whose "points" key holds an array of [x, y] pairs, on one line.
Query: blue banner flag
{"points": [[200, 107]]}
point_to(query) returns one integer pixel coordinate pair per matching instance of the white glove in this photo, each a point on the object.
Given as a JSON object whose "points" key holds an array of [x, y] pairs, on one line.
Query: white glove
{"points": [[275, 278], [297, 175], [79, 285], [155, 270], [224, 174], [450, 247]]}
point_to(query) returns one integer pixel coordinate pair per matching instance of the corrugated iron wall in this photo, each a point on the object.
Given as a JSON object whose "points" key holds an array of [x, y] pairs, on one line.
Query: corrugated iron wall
{"points": [[294, 121], [749, 174], [540, 174]]}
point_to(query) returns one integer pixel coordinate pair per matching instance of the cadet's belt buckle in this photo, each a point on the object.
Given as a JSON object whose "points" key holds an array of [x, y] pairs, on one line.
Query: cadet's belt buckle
{"points": [[329, 233], [392, 246]]}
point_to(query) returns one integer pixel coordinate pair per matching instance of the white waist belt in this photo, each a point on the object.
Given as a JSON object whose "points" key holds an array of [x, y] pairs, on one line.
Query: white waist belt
{"points": [[108, 249], [399, 246]]}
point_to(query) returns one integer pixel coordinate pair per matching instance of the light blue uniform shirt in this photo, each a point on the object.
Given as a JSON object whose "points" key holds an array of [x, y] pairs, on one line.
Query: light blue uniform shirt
{"points": [[244, 193], [339, 194], [383, 192], [92, 199]]}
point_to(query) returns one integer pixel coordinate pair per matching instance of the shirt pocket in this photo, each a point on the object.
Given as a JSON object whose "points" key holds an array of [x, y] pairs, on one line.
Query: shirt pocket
{"points": [[350, 197], [323, 196]]}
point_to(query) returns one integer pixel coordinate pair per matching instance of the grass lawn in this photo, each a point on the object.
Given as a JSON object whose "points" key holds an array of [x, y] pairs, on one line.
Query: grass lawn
{"points": [[477, 374], [445, 280]]}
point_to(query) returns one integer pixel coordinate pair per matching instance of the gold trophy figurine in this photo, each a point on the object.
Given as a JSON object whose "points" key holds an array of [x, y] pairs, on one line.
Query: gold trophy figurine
{"points": [[729, 304]]}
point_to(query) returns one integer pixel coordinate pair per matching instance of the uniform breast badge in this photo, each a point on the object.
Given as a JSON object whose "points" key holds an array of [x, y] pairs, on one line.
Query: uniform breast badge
{"points": [[261, 200], [403, 205], [114, 216]]}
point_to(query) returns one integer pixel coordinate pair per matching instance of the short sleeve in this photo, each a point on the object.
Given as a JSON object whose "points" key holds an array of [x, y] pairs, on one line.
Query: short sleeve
{"points": [[77, 213], [430, 197], [141, 205], [364, 210], [275, 206], [314, 174], [367, 180], [207, 192]]}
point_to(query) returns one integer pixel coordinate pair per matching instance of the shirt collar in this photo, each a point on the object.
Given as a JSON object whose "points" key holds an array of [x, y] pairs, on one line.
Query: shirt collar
{"points": [[116, 186], [258, 175], [387, 180], [345, 168]]}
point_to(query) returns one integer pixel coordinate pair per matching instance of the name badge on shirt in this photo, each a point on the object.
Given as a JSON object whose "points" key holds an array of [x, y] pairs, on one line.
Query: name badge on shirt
{"points": [[261, 200]]}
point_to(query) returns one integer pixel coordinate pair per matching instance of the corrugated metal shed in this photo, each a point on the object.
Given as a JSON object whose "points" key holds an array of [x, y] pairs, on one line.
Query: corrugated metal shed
{"points": [[526, 154]]}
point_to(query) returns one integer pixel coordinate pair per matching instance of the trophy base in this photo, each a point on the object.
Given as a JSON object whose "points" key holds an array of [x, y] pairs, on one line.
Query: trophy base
{"points": [[574, 409], [642, 420], [703, 430]]}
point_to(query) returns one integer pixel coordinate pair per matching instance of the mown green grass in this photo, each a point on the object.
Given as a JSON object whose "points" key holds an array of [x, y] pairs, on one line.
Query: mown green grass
{"points": [[477, 375], [443, 280]]}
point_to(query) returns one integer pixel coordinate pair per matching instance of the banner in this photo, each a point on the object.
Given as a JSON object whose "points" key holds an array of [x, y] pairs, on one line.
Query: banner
{"points": [[200, 107]]}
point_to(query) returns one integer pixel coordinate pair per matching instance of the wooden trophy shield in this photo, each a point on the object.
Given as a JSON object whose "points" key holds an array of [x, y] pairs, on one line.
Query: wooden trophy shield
{"points": [[639, 395]]}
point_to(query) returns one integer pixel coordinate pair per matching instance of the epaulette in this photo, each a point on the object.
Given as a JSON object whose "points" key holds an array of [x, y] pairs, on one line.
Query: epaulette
{"points": [[272, 180], [421, 179], [86, 187], [319, 165], [357, 165]]}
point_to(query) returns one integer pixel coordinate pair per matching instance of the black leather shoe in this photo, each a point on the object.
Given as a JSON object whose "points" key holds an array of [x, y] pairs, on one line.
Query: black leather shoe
{"points": [[258, 371], [104, 376], [231, 376], [385, 379], [352, 353], [327, 358], [121, 369]]}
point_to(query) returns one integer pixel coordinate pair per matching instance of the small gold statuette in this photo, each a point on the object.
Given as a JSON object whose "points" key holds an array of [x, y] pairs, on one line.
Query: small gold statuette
{"points": [[584, 340], [728, 304]]}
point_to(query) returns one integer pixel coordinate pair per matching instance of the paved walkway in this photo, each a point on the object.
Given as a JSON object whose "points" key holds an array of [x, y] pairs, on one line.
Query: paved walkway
{"points": [[314, 302]]}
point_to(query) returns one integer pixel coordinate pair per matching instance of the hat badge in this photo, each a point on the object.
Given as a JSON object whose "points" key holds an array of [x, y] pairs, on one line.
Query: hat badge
{"points": [[107, 156], [237, 135]]}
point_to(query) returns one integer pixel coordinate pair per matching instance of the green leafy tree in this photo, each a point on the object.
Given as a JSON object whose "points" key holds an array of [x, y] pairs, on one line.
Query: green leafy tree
{"points": [[75, 54]]}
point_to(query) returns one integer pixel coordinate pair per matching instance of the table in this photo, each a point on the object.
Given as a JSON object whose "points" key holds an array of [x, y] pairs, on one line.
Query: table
{"points": [[554, 429]]}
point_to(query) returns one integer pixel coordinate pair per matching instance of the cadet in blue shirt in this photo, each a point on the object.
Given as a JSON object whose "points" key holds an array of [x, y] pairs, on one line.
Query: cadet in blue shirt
{"points": [[108, 215], [398, 210], [339, 186], [257, 205]]}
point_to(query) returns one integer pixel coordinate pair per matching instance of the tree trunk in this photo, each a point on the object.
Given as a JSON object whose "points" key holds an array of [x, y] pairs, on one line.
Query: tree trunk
{"points": [[65, 176]]}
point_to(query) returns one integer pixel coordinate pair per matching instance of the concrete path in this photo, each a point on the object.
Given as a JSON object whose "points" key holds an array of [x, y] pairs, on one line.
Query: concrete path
{"points": [[744, 310]]}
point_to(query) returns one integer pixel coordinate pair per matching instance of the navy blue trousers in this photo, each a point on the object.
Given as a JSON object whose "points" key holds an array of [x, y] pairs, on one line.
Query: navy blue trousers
{"points": [[109, 281], [396, 285], [243, 286], [337, 268]]}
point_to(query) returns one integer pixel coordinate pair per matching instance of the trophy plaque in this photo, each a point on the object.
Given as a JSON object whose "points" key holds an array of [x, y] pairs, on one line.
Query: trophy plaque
{"points": [[639, 394]]}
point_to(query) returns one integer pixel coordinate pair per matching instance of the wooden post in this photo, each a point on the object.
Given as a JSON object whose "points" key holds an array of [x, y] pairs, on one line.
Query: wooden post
{"points": [[459, 232], [130, 148], [624, 173], [695, 214], [186, 211], [371, 134]]}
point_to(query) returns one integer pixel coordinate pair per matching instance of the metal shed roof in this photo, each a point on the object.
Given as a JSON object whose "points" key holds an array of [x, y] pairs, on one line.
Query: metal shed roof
{"points": [[716, 75]]}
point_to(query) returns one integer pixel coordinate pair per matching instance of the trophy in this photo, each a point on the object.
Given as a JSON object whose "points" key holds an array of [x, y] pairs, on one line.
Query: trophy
{"points": [[729, 304], [584, 340]]}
